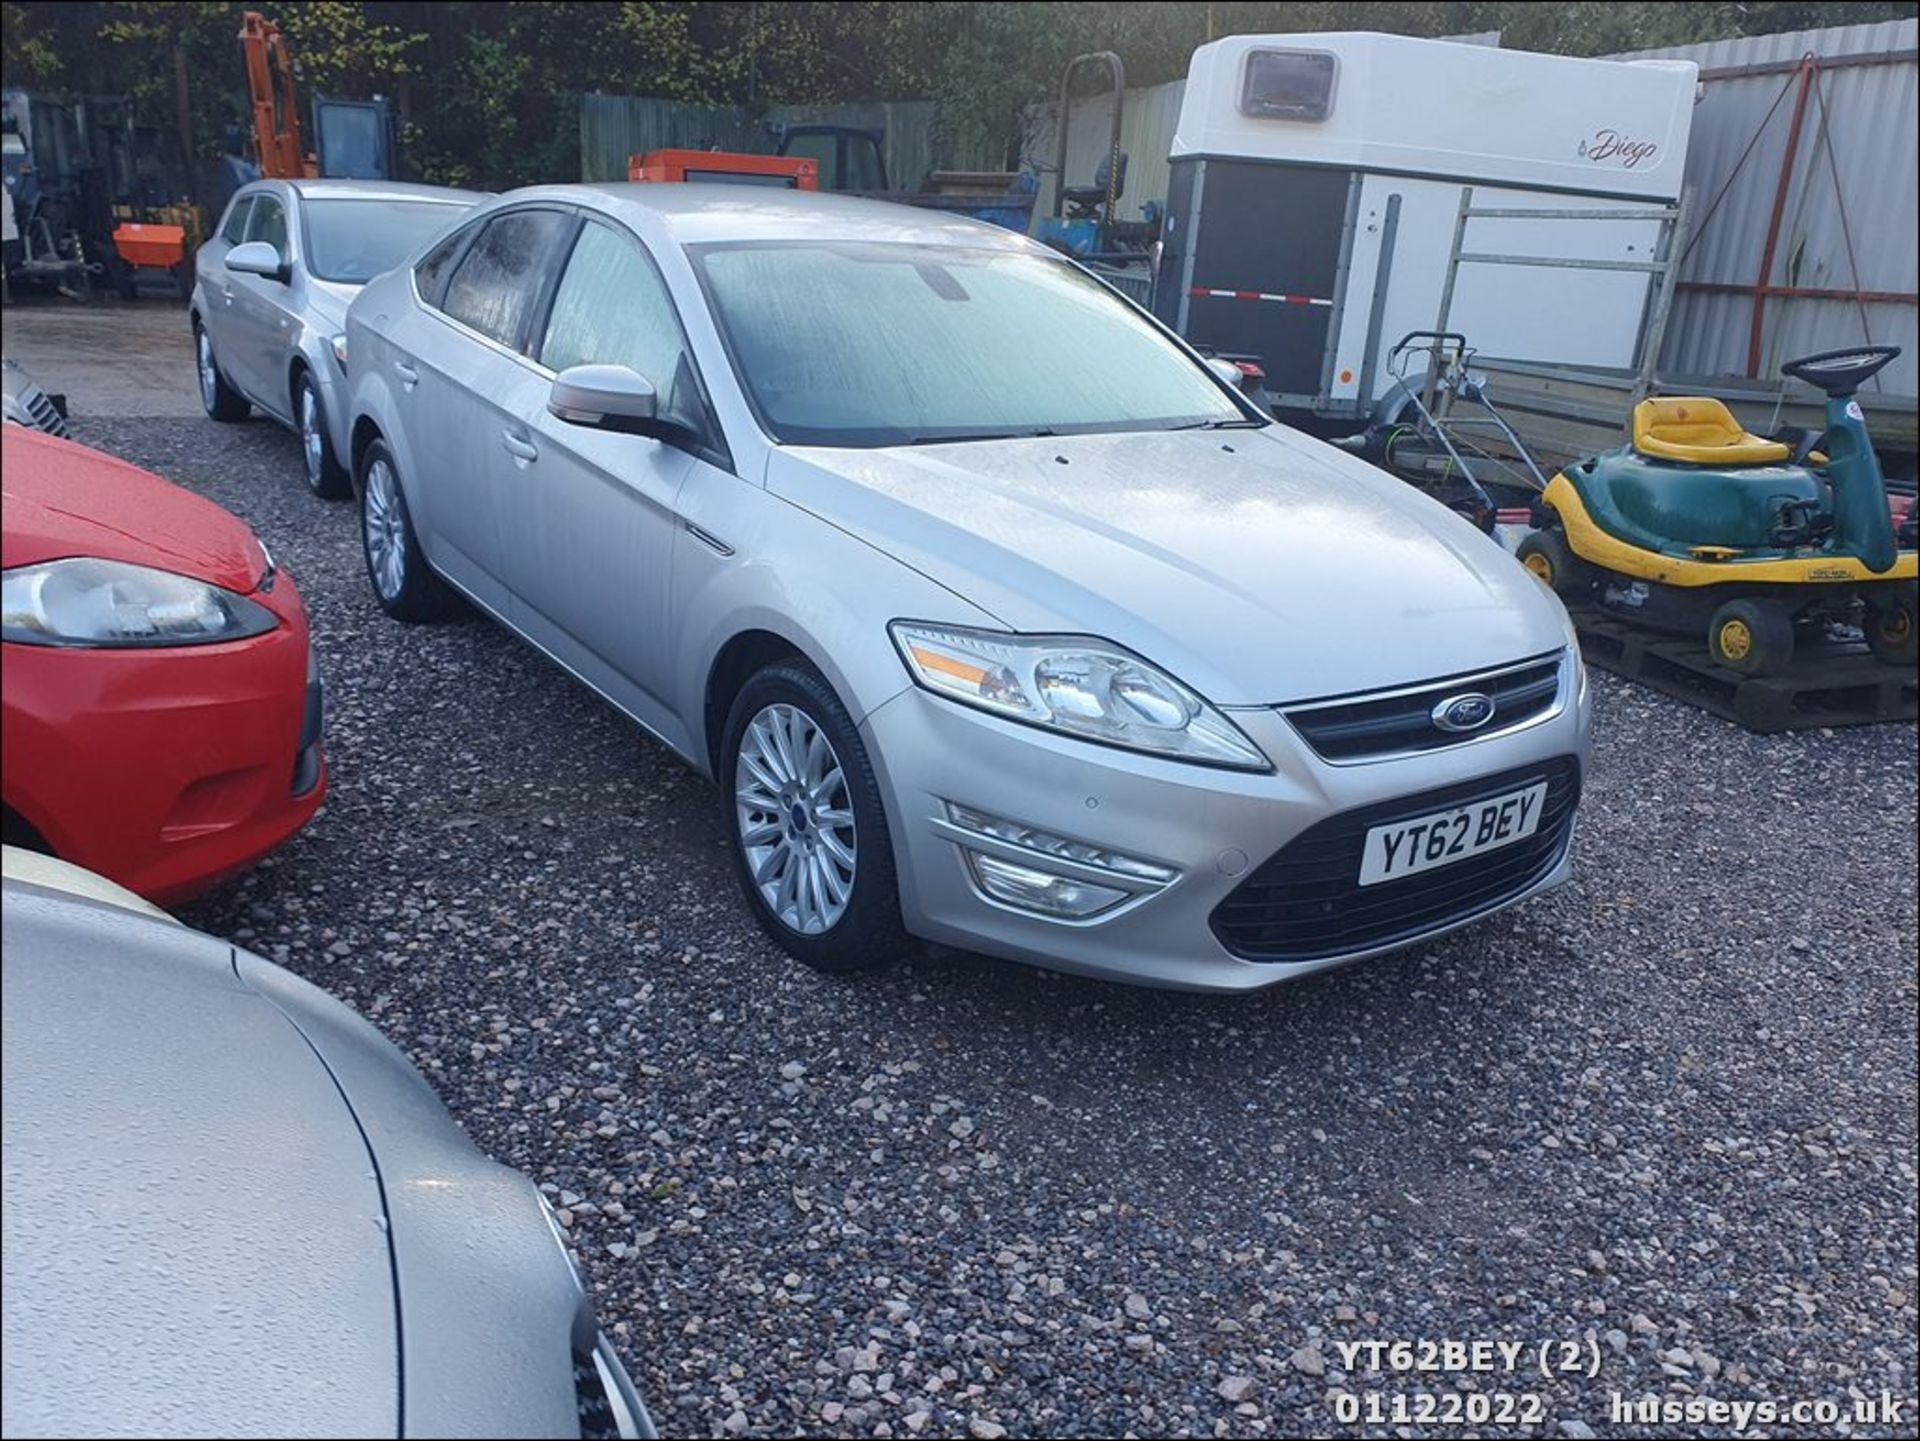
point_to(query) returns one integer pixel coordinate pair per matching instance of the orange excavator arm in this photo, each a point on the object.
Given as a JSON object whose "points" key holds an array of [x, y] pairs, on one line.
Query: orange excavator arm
{"points": [[276, 116]]}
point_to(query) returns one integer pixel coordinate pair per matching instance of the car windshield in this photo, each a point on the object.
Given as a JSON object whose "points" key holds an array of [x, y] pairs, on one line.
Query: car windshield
{"points": [[875, 344], [351, 241]]}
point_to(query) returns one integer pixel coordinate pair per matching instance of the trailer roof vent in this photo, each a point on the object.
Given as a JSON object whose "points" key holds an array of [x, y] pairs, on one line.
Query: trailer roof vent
{"points": [[1289, 84]]}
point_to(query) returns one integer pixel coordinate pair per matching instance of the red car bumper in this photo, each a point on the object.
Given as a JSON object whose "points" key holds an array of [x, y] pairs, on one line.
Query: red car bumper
{"points": [[166, 770]]}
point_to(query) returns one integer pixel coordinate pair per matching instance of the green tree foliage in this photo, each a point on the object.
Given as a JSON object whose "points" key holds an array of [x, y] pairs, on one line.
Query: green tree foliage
{"points": [[486, 92]]}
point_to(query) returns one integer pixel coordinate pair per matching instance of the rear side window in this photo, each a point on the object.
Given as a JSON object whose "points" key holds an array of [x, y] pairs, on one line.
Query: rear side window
{"points": [[235, 230], [431, 274], [612, 308], [269, 223], [1288, 84], [497, 282]]}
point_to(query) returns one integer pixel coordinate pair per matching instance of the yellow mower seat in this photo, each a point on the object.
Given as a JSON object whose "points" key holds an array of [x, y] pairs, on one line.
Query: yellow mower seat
{"points": [[1699, 430]]}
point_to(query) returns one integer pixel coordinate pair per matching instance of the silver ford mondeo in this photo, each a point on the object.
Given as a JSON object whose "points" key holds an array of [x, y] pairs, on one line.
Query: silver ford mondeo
{"points": [[999, 618]]}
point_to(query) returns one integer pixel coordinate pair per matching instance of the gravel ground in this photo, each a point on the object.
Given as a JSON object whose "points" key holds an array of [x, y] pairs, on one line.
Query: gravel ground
{"points": [[1668, 1111]]}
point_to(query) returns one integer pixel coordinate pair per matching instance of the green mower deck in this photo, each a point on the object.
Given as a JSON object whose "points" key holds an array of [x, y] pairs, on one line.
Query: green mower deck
{"points": [[1830, 684]]}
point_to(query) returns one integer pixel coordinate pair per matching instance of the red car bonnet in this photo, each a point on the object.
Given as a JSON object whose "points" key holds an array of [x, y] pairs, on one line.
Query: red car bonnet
{"points": [[63, 499]]}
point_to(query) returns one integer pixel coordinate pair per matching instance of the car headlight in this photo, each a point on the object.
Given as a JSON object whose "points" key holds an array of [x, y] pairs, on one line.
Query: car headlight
{"points": [[89, 602], [339, 345], [1087, 688]]}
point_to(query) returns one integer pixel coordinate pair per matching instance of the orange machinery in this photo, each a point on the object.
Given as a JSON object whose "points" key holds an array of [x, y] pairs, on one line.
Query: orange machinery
{"points": [[792, 172], [276, 117]]}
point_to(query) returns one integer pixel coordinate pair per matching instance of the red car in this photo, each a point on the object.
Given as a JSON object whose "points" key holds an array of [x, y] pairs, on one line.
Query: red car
{"points": [[161, 703]]}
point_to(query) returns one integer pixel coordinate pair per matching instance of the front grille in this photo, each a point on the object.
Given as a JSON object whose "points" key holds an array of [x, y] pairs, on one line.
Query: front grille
{"points": [[1306, 902], [45, 416], [1366, 727]]}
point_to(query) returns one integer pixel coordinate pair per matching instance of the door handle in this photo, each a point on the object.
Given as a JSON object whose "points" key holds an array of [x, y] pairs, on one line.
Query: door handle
{"points": [[409, 377], [518, 446]]}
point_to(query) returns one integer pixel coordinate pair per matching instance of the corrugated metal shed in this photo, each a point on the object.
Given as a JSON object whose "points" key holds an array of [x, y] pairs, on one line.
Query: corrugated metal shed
{"points": [[1866, 136], [613, 127]]}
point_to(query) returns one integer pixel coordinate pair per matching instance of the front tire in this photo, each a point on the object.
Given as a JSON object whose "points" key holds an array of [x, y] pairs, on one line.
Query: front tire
{"points": [[403, 582], [1751, 637], [326, 477], [1891, 626], [221, 401], [806, 824]]}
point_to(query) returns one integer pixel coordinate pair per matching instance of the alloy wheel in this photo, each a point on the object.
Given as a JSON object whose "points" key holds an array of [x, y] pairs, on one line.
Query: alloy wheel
{"points": [[209, 377], [385, 522], [313, 443], [795, 816]]}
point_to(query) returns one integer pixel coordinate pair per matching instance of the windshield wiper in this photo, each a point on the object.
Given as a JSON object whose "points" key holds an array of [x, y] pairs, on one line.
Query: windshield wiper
{"points": [[1033, 434], [1238, 423]]}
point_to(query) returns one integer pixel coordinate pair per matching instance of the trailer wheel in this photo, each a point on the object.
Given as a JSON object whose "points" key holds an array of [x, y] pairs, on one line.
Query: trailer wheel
{"points": [[1751, 637], [1892, 632], [1552, 562]]}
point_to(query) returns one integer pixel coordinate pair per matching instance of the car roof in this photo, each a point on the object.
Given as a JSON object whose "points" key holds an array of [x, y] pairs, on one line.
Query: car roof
{"points": [[697, 214], [379, 190]]}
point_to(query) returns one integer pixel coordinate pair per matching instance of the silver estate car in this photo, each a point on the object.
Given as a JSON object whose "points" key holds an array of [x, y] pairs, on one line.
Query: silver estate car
{"points": [[270, 295], [232, 1209], [999, 618]]}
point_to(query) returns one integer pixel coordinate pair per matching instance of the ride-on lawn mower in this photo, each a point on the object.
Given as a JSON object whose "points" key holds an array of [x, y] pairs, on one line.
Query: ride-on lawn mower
{"points": [[1698, 524]]}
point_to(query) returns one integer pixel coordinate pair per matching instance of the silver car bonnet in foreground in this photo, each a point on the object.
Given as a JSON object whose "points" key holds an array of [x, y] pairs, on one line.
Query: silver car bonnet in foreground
{"points": [[231, 1208]]}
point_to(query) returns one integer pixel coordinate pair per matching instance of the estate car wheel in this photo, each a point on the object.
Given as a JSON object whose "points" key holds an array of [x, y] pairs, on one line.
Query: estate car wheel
{"points": [[809, 833], [1751, 637], [403, 583], [1893, 634], [326, 477], [221, 400]]}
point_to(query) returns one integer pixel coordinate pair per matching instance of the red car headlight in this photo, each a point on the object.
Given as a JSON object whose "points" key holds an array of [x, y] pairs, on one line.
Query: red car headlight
{"points": [[89, 602]]}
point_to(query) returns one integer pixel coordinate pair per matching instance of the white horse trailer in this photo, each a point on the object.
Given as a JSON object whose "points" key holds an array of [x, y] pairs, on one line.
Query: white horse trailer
{"points": [[1316, 192]]}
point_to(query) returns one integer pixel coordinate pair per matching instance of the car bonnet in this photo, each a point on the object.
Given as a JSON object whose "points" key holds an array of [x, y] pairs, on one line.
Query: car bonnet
{"points": [[63, 499], [195, 1239]]}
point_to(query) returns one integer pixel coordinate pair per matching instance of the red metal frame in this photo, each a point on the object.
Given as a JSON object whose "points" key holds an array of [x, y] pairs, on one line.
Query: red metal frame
{"points": [[1804, 80], [674, 165], [1803, 86]]}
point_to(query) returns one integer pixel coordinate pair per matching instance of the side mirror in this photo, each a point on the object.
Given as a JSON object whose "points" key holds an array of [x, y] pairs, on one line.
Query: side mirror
{"points": [[1226, 372], [257, 257], [611, 397]]}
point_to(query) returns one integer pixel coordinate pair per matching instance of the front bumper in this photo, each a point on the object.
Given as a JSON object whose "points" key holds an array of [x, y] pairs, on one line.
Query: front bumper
{"points": [[167, 770], [1214, 827]]}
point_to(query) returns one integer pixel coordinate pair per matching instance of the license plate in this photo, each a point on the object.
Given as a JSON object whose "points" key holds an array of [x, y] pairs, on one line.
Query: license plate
{"points": [[1406, 848]]}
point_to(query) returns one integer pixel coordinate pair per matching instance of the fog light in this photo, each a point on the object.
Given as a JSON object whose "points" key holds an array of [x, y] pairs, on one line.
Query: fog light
{"points": [[1041, 891], [1015, 834]]}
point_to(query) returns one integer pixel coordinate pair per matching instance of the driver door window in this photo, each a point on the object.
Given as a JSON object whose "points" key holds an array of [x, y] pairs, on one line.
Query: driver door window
{"points": [[269, 223], [612, 308], [235, 230]]}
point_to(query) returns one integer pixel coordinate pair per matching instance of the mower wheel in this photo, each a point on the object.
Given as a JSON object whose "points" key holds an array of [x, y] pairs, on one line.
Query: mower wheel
{"points": [[1751, 637], [1551, 560], [1892, 631]]}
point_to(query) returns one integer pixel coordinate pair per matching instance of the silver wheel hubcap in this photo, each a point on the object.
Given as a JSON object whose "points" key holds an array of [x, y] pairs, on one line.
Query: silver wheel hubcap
{"points": [[386, 528], [310, 438], [796, 819], [209, 379]]}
